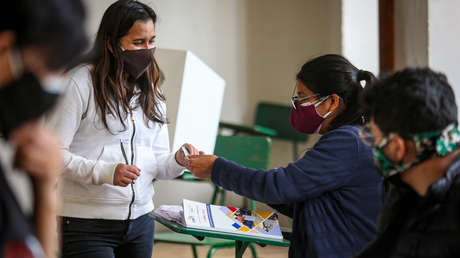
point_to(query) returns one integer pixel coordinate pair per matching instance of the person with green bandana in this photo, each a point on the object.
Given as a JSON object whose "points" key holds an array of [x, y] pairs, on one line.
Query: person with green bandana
{"points": [[415, 139]]}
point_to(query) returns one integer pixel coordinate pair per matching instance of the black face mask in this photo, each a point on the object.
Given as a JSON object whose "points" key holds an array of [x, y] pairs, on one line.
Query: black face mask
{"points": [[23, 99], [136, 62]]}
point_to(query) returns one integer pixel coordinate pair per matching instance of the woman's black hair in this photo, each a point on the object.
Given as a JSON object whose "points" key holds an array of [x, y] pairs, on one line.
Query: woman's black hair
{"points": [[113, 88], [334, 74], [56, 27]]}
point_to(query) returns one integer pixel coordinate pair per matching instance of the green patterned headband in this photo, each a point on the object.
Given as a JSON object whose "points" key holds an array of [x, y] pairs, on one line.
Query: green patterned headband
{"points": [[439, 143], [443, 142]]}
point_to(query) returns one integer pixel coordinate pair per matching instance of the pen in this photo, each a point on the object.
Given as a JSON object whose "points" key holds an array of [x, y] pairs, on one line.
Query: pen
{"points": [[125, 156], [124, 153], [186, 152]]}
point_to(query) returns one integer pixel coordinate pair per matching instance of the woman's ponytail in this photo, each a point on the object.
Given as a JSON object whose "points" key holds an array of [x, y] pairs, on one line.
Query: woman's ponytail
{"points": [[369, 79], [365, 76]]}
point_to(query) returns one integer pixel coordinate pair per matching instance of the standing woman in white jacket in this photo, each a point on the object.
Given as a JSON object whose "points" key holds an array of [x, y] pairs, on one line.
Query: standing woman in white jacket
{"points": [[112, 124]]}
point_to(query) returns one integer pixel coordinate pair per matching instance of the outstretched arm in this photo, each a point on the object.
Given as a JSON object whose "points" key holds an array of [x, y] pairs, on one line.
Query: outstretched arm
{"points": [[324, 168]]}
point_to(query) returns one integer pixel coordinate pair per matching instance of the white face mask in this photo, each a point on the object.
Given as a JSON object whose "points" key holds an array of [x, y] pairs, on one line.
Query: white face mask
{"points": [[15, 62], [55, 84]]}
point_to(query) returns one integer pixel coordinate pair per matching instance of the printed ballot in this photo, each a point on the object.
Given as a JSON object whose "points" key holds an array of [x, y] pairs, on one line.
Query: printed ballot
{"points": [[263, 224]]}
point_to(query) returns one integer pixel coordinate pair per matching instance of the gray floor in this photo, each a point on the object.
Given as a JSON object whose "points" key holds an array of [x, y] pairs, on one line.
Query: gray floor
{"points": [[163, 250]]}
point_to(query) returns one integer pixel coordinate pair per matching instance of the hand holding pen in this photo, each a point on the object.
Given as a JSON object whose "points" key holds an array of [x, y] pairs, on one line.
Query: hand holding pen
{"points": [[125, 174], [183, 153]]}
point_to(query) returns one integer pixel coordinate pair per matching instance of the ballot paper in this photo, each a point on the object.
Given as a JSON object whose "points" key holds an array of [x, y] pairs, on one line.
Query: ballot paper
{"points": [[263, 224]]}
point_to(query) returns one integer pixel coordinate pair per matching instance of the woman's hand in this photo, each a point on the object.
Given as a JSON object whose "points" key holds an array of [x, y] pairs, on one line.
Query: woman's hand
{"points": [[125, 174], [37, 152], [181, 157], [201, 165]]}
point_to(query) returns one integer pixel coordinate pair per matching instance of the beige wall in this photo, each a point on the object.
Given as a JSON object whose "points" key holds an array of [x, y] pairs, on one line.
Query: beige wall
{"points": [[257, 45], [411, 33], [282, 35], [216, 32]]}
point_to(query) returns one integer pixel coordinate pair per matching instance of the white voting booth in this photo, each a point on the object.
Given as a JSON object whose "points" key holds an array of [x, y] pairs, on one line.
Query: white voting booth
{"points": [[194, 95]]}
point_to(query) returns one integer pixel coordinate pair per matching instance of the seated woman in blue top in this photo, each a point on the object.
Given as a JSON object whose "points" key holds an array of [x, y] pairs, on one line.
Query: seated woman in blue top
{"points": [[333, 192]]}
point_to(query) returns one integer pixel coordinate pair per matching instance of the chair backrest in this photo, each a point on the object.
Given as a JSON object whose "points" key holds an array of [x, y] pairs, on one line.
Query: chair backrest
{"points": [[249, 151], [276, 116]]}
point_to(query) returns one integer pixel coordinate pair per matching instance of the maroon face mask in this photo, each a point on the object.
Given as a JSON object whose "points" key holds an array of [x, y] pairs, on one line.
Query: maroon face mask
{"points": [[136, 62], [305, 119]]}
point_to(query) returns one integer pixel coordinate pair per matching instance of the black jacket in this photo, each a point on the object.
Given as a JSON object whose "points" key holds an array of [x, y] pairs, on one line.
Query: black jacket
{"points": [[16, 235], [415, 226]]}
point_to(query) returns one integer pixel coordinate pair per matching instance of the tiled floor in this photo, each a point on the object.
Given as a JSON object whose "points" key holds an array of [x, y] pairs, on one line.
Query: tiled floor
{"points": [[164, 250]]}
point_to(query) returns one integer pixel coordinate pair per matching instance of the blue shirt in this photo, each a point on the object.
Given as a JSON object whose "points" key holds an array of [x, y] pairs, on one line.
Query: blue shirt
{"points": [[334, 190]]}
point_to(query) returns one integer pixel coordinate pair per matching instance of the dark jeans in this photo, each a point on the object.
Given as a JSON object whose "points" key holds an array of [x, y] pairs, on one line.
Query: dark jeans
{"points": [[107, 238]]}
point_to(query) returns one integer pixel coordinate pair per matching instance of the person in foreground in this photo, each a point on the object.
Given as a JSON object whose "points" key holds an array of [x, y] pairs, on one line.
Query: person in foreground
{"points": [[112, 124], [32, 57], [333, 193], [414, 134]]}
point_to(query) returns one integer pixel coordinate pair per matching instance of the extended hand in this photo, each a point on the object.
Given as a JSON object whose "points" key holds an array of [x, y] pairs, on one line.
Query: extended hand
{"points": [[125, 174], [201, 165], [181, 157]]}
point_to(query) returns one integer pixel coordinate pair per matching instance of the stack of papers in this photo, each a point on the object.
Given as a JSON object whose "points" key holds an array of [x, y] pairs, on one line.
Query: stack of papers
{"points": [[174, 213]]}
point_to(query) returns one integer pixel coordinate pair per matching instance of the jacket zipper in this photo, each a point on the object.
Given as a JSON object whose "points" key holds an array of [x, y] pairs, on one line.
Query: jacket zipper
{"points": [[132, 162]]}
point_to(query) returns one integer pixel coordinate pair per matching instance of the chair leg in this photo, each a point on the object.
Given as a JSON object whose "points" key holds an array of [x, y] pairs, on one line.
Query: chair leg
{"points": [[246, 203], [253, 250], [195, 253], [294, 151], [253, 205], [240, 247], [222, 196], [211, 252], [215, 194]]}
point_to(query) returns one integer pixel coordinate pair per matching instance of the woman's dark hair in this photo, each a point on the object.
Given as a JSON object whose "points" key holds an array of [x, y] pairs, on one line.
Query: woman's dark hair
{"points": [[334, 74], [113, 88], [55, 27], [410, 101]]}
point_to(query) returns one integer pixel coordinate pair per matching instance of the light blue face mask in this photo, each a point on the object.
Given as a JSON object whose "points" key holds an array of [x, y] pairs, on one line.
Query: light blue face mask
{"points": [[439, 143]]}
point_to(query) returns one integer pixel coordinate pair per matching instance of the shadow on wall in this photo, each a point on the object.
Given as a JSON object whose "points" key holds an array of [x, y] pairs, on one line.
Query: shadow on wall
{"points": [[281, 37]]}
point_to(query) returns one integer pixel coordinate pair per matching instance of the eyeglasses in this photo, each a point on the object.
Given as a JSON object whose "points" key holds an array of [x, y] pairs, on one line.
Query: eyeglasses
{"points": [[366, 135], [295, 100], [369, 139]]}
